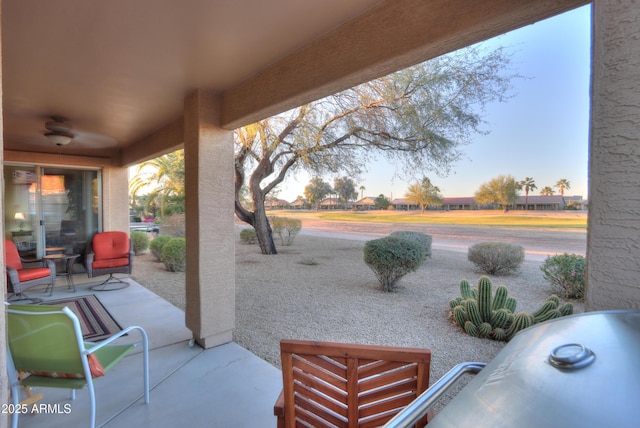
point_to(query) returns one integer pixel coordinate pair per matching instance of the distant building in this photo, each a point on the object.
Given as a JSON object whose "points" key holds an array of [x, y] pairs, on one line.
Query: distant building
{"points": [[366, 203], [298, 204], [331, 204], [276, 204], [540, 203], [404, 204], [463, 203]]}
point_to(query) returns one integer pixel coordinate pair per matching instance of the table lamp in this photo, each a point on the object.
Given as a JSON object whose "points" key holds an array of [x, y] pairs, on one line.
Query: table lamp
{"points": [[19, 217]]}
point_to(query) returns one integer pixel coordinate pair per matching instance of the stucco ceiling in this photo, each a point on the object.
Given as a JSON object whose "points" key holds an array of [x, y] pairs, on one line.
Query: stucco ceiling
{"points": [[119, 69]]}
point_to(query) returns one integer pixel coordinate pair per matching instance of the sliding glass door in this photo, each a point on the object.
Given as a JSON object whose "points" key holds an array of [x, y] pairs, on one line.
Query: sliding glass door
{"points": [[51, 209]]}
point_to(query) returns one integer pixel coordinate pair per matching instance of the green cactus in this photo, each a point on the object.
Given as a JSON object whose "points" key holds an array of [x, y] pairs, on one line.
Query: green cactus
{"points": [[471, 329], [460, 315], [499, 318], [480, 314], [554, 298], [500, 298], [521, 321], [465, 289], [499, 334], [511, 304], [473, 312], [484, 298], [549, 315], [541, 313], [485, 329], [566, 309]]}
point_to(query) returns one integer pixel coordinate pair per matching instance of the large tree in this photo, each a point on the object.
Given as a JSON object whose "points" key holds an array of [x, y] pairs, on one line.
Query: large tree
{"points": [[345, 188], [502, 190], [316, 191], [417, 118], [424, 194]]}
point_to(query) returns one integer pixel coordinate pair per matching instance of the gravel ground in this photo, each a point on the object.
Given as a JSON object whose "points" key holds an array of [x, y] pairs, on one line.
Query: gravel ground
{"points": [[320, 289]]}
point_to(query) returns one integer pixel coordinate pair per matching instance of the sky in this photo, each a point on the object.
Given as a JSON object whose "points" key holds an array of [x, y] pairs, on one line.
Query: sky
{"points": [[541, 132]]}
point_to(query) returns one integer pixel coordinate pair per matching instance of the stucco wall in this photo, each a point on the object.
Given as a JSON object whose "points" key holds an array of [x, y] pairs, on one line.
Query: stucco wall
{"points": [[614, 202], [115, 198]]}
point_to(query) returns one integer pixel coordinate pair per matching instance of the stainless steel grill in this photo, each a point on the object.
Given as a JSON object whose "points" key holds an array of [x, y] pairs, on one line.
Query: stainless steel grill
{"points": [[577, 371]]}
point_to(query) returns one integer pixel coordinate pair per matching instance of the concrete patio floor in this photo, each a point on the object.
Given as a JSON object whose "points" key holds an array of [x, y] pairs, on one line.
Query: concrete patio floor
{"points": [[226, 386]]}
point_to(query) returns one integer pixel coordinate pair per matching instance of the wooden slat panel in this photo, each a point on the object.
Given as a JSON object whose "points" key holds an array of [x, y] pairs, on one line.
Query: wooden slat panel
{"points": [[406, 386], [307, 419], [301, 366], [304, 393], [339, 395], [327, 363], [376, 380], [320, 412], [380, 367], [396, 403], [378, 420], [388, 378]]}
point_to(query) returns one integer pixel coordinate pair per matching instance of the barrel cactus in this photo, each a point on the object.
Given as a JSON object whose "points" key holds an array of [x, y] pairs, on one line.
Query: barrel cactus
{"points": [[480, 312]]}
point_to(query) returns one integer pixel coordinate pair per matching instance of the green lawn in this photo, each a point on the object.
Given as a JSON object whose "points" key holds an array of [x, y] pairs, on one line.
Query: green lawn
{"points": [[569, 219]]}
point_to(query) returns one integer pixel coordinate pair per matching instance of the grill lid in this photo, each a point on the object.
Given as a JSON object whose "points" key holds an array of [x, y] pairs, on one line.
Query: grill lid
{"points": [[576, 371]]}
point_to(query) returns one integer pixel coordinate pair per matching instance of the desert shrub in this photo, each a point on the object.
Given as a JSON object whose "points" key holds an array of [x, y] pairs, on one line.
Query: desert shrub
{"points": [[173, 225], [140, 242], [174, 254], [496, 258], [286, 228], [248, 236], [566, 273], [421, 238], [391, 258], [157, 244]]}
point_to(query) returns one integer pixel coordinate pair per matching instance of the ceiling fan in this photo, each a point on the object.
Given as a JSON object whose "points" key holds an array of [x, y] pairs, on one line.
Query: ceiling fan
{"points": [[58, 131]]}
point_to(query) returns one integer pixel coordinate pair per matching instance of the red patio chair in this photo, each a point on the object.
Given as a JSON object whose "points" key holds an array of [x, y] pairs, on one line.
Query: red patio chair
{"points": [[20, 279], [111, 252]]}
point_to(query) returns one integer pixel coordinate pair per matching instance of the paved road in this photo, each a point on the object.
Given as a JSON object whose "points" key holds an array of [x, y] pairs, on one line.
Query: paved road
{"points": [[537, 242]]}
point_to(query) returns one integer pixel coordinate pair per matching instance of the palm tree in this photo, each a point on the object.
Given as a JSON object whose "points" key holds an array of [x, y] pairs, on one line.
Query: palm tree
{"points": [[546, 191], [563, 184], [163, 177], [527, 184], [362, 189]]}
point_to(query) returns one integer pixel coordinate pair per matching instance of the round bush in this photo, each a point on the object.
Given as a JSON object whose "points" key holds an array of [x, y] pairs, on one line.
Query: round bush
{"points": [[391, 258], [140, 242], [496, 258], [566, 273], [248, 236], [157, 244], [421, 238], [174, 255], [286, 228]]}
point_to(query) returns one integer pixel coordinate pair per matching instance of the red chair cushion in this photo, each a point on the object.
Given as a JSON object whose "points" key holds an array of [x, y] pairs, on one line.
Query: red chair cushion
{"points": [[11, 255], [110, 263], [95, 368], [36, 273], [110, 245]]}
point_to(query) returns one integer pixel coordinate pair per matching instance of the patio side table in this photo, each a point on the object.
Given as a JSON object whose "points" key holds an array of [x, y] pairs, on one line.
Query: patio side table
{"points": [[69, 260]]}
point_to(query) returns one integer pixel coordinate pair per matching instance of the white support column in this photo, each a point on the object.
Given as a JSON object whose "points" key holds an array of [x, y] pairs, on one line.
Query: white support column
{"points": [[209, 205], [613, 247]]}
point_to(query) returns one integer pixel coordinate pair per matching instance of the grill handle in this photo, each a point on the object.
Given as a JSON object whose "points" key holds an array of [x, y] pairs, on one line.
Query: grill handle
{"points": [[421, 405]]}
